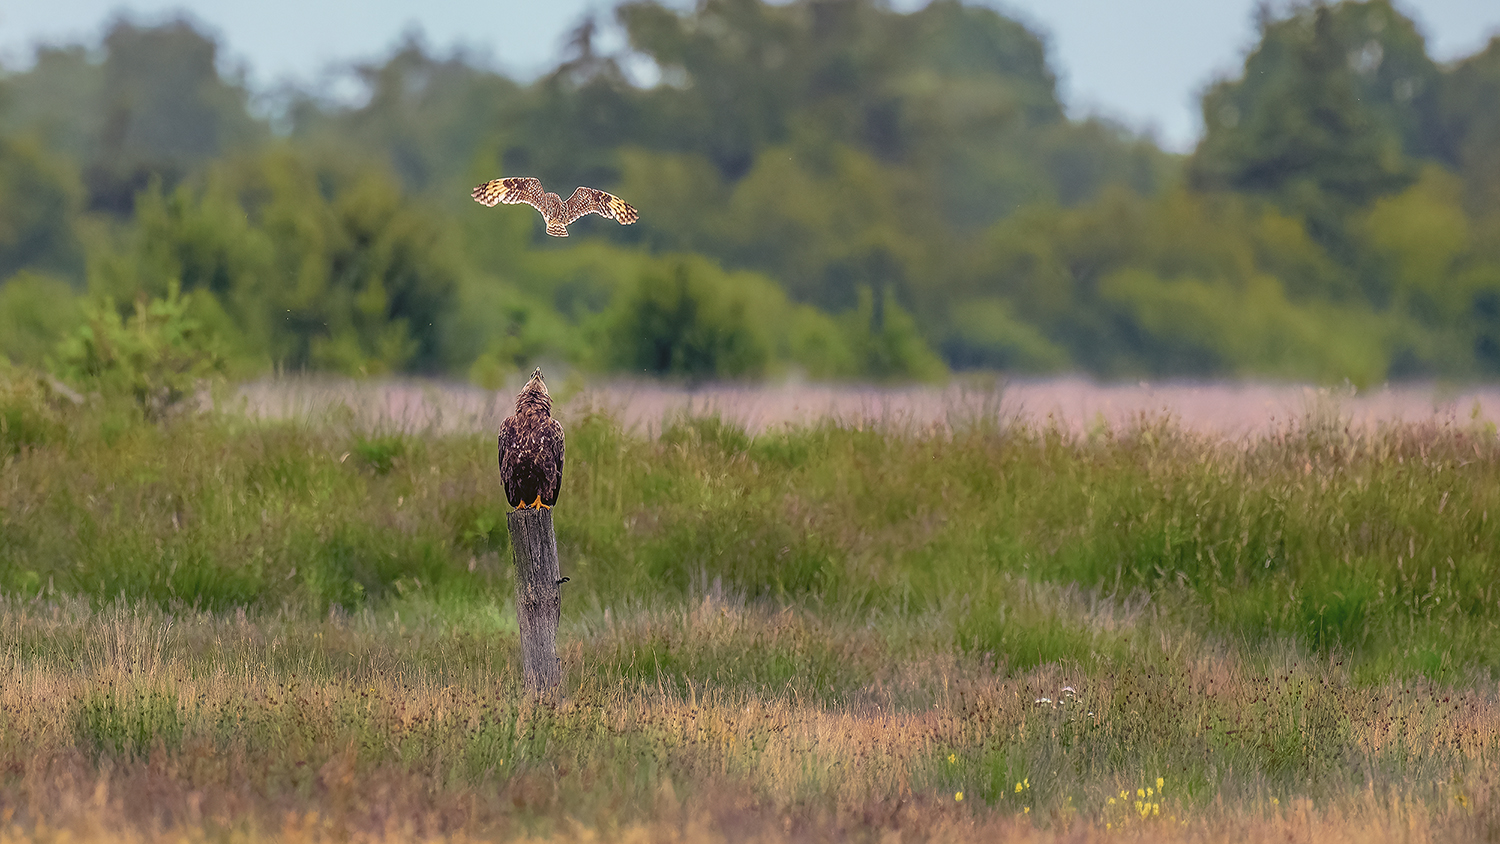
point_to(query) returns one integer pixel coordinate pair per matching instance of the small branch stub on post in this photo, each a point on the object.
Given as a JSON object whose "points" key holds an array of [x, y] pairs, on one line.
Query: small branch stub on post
{"points": [[533, 548]]}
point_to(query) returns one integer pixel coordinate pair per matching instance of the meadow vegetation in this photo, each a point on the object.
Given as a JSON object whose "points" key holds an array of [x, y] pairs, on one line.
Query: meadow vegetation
{"points": [[230, 627]]}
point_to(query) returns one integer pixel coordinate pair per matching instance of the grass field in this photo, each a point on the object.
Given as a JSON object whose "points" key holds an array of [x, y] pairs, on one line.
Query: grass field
{"points": [[229, 628]]}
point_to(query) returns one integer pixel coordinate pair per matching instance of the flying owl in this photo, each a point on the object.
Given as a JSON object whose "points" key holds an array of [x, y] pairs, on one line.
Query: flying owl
{"points": [[531, 449], [557, 213]]}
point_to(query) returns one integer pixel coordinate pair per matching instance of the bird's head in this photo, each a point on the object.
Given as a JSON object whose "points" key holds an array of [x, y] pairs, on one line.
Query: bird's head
{"points": [[533, 397]]}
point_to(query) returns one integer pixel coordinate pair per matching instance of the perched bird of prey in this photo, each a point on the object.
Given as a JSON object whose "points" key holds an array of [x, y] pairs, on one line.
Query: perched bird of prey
{"points": [[531, 449], [557, 213]]}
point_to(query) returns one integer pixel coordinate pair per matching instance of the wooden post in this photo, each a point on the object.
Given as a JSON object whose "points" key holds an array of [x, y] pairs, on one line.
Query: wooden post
{"points": [[533, 547]]}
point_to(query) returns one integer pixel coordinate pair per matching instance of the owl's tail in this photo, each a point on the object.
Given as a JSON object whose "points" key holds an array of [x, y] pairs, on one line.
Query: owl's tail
{"points": [[556, 229]]}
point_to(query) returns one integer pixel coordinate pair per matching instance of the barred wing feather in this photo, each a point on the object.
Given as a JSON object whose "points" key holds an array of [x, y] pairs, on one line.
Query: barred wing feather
{"points": [[607, 205]]}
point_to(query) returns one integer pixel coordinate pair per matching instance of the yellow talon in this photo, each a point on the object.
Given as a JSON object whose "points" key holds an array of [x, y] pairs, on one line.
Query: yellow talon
{"points": [[537, 504]]}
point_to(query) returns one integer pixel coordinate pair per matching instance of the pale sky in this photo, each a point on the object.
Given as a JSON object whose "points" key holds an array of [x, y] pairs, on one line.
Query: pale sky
{"points": [[1142, 62]]}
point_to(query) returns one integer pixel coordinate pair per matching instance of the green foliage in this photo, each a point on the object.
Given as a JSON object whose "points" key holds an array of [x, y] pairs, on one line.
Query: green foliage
{"points": [[885, 342], [1317, 120], [158, 356], [165, 110], [1470, 130], [1418, 240], [317, 265], [57, 101], [986, 334], [39, 199], [1344, 200], [687, 319], [816, 345], [1189, 327], [684, 317], [1214, 284], [933, 88], [36, 311]]}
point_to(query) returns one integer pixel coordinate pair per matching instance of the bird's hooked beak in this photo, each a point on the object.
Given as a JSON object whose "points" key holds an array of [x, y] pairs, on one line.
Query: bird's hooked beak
{"points": [[536, 382]]}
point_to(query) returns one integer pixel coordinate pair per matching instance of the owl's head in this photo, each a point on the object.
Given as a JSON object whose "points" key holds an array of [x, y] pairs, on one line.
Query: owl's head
{"points": [[533, 397]]}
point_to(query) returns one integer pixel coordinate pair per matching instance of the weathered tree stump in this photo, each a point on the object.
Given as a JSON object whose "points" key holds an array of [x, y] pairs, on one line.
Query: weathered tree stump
{"points": [[533, 547]]}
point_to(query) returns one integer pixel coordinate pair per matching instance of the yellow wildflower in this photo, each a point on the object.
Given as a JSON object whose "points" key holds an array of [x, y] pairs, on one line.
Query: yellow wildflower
{"points": [[952, 758], [1160, 783], [958, 796], [1018, 788]]}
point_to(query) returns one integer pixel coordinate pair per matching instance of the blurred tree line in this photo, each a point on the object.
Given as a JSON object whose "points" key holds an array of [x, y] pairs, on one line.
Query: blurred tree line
{"points": [[826, 186]]}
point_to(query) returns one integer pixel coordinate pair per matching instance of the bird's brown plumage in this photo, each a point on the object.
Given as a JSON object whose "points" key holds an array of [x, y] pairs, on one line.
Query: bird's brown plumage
{"points": [[531, 449], [554, 210]]}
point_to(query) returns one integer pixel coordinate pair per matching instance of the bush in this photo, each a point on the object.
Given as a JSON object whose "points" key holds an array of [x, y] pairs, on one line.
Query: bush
{"points": [[686, 318], [158, 356], [36, 311], [315, 263], [1189, 327], [987, 335], [886, 342]]}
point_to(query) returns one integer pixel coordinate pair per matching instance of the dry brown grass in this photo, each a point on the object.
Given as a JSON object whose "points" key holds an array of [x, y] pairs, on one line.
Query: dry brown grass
{"points": [[277, 740]]}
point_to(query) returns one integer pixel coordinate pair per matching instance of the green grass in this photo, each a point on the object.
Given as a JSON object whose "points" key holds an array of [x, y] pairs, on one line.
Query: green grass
{"points": [[828, 629], [1375, 546]]}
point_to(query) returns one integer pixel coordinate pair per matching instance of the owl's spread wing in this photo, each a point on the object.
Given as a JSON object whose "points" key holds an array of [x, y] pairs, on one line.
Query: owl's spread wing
{"points": [[607, 205], [511, 191]]}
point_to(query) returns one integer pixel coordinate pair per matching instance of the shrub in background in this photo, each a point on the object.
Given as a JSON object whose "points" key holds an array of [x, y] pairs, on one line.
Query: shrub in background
{"points": [[158, 356], [36, 311], [886, 342], [685, 317]]}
